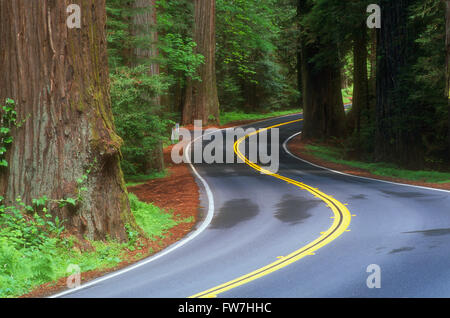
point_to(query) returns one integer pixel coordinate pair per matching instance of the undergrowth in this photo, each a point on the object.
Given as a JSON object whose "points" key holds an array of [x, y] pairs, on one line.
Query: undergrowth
{"points": [[336, 155], [35, 248]]}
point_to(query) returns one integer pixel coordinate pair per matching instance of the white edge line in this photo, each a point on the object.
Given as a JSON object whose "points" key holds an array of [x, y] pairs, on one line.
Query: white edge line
{"points": [[193, 235], [351, 175]]}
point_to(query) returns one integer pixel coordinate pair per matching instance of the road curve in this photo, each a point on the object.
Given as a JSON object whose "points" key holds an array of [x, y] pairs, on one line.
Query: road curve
{"points": [[258, 219]]}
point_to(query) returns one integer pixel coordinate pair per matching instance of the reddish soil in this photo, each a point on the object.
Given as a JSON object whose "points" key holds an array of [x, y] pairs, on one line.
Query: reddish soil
{"points": [[178, 192], [297, 147]]}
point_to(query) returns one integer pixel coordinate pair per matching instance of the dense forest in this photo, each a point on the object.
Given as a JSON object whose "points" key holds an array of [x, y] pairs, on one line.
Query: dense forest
{"points": [[85, 108]]}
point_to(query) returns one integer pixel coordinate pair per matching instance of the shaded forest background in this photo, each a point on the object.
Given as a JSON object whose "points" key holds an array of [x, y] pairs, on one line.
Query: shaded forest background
{"points": [[284, 54]]}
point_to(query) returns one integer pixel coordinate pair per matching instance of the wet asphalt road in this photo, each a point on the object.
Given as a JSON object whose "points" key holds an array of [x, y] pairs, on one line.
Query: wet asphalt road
{"points": [[257, 218]]}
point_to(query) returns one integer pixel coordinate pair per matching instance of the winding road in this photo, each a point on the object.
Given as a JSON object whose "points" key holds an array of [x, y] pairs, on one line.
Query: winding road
{"points": [[304, 232]]}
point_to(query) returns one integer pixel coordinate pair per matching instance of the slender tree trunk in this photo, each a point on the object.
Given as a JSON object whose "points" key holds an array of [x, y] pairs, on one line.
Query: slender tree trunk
{"points": [[145, 24], [60, 82], [372, 76], [360, 77], [299, 56], [201, 101]]}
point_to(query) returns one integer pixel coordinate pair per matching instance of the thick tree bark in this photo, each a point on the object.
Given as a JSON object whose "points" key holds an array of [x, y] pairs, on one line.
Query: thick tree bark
{"points": [[60, 82], [145, 25], [392, 142], [201, 100], [323, 107]]}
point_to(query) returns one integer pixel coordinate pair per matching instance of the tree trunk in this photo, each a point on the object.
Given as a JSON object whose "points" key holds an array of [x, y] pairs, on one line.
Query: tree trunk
{"points": [[299, 56], [60, 82], [145, 23], [447, 46], [393, 142], [201, 100], [360, 77], [323, 107], [373, 75]]}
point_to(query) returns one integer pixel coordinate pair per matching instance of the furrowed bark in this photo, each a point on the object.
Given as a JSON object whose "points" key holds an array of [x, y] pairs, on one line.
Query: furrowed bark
{"points": [[145, 24], [201, 100], [59, 80], [323, 107], [393, 143]]}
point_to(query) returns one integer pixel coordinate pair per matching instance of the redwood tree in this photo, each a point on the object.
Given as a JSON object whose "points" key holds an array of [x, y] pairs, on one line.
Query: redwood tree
{"points": [[323, 107], [201, 100], [394, 140], [59, 79], [145, 28], [360, 77], [447, 46]]}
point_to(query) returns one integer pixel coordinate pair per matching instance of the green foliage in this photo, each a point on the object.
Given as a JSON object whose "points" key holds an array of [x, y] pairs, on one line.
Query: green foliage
{"points": [[153, 221], [29, 239], [8, 119], [138, 120], [34, 251], [250, 67], [179, 57]]}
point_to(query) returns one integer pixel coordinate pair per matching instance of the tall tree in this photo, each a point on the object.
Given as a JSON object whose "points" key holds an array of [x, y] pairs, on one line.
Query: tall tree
{"points": [[145, 29], [395, 139], [447, 45], [59, 80], [201, 100], [323, 107], [360, 77]]}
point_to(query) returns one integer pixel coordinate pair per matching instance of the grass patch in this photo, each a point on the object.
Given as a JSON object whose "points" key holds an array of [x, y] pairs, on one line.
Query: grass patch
{"points": [[35, 251], [132, 181], [151, 219], [229, 117], [336, 155]]}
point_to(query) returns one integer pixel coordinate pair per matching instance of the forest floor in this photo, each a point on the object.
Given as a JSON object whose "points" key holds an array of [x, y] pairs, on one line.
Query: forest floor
{"points": [[302, 150]]}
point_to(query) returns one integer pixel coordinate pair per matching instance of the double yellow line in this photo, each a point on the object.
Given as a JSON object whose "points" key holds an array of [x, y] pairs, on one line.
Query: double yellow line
{"points": [[341, 222]]}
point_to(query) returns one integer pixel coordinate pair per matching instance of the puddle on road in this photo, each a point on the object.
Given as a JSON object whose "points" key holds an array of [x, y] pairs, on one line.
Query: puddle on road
{"points": [[294, 210], [402, 249], [358, 197], [432, 232], [404, 194], [234, 212]]}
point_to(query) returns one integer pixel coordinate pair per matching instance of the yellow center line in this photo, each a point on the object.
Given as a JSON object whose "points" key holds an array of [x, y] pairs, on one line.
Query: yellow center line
{"points": [[341, 221]]}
